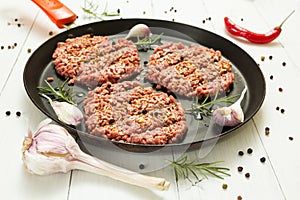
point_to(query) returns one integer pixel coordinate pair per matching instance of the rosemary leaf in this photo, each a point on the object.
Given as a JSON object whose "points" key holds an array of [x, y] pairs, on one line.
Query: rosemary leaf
{"points": [[59, 94], [148, 40], [205, 107], [145, 43]]}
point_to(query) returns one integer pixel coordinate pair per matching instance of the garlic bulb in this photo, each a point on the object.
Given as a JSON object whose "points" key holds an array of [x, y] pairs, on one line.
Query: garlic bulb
{"points": [[231, 115], [66, 112], [139, 30], [51, 149]]}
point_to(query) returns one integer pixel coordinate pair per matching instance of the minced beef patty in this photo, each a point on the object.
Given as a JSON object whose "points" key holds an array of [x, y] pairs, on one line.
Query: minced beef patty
{"points": [[128, 113], [94, 60], [190, 70]]}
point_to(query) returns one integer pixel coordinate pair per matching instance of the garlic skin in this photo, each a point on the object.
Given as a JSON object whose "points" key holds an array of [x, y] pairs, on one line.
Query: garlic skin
{"points": [[51, 149], [67, 113], [139, 30], [231, 115], [44, 152]]}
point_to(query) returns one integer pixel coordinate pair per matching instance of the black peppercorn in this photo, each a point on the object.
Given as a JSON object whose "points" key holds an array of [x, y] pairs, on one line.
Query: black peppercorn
{"points": [[241, 153], [112, 120], [142, 166], [247, 175], [7, 113], [240, 168], [249, 150], [262, 159], [18, 113], [284, 64], [144, 112]]}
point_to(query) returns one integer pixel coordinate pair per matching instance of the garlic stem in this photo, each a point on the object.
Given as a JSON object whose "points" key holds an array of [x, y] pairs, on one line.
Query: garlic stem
{"points": [[96, 166]]}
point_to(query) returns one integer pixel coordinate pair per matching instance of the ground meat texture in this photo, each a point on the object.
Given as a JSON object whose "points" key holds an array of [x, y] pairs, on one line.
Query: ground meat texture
{"points": [[190, 70], [94, 60], [128, 113], [69, 54]]}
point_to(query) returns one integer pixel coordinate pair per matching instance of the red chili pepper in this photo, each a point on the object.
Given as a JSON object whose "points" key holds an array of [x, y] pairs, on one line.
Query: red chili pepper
{"points": [[258, 38]]}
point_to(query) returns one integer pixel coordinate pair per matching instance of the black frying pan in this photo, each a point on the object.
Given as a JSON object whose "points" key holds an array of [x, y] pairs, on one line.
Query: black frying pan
{"points": [[246, 71]]}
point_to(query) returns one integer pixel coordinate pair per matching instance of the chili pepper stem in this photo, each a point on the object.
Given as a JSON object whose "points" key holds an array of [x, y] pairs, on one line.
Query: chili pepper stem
{"points": [[286, 19]]}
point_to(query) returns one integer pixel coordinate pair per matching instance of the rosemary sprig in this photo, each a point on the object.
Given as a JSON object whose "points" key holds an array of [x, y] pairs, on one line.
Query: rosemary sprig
{"points": [[146, 42], [205, 106], [58, 94], [188, 169], [92, 9]]}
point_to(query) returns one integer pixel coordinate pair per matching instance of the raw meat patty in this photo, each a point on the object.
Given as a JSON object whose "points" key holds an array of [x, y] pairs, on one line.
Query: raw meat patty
{"points": [[128, 113], [190, 70], [94, 60]]}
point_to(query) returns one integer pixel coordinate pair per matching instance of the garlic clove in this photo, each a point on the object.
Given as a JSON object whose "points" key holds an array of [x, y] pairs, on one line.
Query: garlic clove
{"points": [[227, 117], [51, 149], [139, 30], [67, 113], [231, 115]]}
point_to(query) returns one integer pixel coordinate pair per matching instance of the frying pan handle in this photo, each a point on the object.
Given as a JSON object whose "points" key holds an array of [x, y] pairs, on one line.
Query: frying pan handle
{"points": [[57, 12]]}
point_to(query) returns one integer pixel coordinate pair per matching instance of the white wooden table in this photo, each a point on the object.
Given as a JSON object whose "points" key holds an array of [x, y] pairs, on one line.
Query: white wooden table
{"points": [[24, 27]]}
